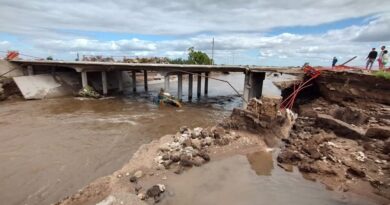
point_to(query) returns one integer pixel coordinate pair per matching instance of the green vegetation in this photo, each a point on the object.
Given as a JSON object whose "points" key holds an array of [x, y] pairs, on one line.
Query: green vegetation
{"points": [[382, 74], [49, 58], [194, 57]]}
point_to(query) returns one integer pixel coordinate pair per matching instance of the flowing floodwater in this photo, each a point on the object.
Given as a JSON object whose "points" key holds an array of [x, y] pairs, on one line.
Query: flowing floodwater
{"points": [[51, 148], [249, 180]]}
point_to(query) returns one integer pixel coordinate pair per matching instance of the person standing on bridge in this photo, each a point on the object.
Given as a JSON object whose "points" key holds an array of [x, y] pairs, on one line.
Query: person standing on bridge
{"points": [[334, 61], [371, 58], [380, 62]]}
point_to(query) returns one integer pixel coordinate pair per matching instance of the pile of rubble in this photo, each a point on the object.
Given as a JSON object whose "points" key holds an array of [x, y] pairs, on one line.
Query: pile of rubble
{"points": [[325, 146], [190, 147]]}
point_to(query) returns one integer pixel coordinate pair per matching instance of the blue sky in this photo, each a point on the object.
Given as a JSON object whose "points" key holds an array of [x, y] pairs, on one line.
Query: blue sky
{"points": [[247, 32]]}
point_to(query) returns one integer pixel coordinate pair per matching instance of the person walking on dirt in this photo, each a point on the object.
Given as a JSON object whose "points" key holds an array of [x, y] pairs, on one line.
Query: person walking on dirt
{"points": [[380, 57], [371, 58], [334, 61]]}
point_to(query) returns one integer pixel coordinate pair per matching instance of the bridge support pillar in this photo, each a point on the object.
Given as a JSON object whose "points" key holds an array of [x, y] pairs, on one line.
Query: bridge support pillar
{"points": [[166, 83], [199, 88], [84, 79], [120, 81], [206, 84], [104, 82], [179, 86], [30, 70], [253, 87], [190, 81], [134, 81], [146, 80]]}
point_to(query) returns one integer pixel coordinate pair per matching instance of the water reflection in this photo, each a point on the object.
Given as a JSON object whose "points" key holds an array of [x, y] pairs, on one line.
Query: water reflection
{"points": [[261, 162]]}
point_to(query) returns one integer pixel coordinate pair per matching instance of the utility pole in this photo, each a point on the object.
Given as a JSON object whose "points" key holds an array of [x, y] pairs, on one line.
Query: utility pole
{"points": [[212, 53]]}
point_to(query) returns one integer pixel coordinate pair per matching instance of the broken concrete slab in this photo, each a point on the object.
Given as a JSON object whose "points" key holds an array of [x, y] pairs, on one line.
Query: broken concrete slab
{"points": [[42, 86], [382, 133], [339, 127]]}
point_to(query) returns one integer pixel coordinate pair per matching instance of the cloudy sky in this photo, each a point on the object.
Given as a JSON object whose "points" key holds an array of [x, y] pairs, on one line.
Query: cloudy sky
{"points": [[247, 32]]}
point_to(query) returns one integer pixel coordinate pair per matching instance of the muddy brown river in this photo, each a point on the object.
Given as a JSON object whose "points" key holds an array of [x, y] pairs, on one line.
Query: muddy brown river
{"points": [[51, 148]]}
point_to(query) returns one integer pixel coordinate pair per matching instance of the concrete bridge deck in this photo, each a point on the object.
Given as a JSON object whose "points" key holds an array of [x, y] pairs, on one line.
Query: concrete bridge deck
{"points": [[89, 66], [253, 85]]}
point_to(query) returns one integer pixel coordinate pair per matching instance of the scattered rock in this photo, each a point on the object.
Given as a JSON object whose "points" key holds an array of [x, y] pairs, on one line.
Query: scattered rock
{"points": [[218, 132], [141, 196], [138, 174], [360, 156], [133, 179], [382, 133], [198, 161], [167, 163], [166, 157], [204, 155], [197, 132], [155, 191], [307, 168], [175, 157], [288, 156], [196, 143], [208, 141], [183, 129], [187, 142], [356, 171], [312, 151], [179, 170], [185, 161]]}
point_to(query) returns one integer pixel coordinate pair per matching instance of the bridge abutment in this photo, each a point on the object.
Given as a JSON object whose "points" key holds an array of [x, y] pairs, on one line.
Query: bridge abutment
{"points": [[253, 86]]}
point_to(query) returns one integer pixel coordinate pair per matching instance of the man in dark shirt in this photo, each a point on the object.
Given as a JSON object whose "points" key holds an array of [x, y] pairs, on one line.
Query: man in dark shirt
{"points": [[371, 58]]}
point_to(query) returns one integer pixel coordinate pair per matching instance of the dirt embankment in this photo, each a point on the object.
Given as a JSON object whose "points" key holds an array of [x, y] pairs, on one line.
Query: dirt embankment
{"points": [[342, 138], [8, 89], [141, 180]]}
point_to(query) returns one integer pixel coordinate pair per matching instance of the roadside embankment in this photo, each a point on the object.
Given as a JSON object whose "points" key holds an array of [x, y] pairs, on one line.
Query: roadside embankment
{"points": [[342, 138]]}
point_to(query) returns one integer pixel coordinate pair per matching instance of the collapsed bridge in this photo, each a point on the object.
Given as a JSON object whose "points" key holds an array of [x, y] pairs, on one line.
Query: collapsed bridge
{"points": [[253, 84]]}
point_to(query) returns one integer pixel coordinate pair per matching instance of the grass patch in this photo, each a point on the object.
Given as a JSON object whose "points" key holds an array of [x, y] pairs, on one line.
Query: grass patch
{"points": [[382, 74]]}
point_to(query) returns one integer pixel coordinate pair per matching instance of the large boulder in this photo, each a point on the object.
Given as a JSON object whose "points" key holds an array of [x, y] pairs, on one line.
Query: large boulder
{"points": [[339, 127]]}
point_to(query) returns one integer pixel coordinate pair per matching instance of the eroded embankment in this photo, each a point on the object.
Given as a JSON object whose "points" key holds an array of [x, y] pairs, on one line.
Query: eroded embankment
{"points": [[341, 138]]}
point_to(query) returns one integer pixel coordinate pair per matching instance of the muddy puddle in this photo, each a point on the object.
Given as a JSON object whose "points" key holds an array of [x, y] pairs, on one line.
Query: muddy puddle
{"points": [[250, 179], [51, 148]]}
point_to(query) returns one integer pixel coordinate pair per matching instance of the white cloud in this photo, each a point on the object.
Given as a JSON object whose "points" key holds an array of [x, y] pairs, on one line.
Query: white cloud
{"points": [[54, 27], [42, 17]]}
